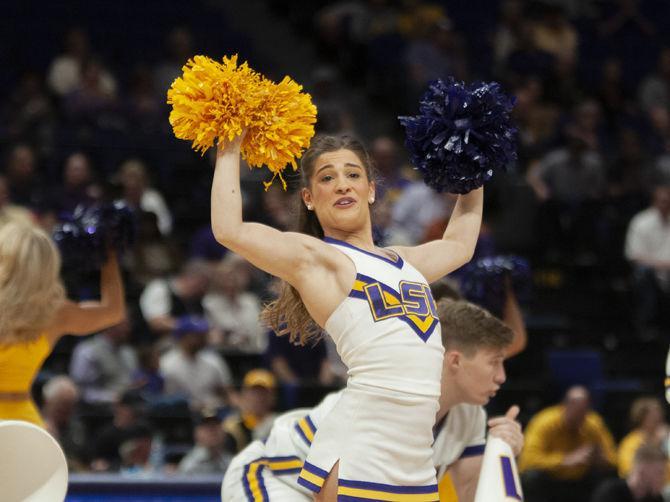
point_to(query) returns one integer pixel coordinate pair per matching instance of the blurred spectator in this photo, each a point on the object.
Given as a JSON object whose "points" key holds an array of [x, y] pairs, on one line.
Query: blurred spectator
{"points": [[66, 70], [630, 173], [165, 299], [208, 455], [508, 32], [147, 378], [190, 370], [437, 55], [335, 115], [128, 412], [255, 404], [153, 255], [135, 451], [144, 106], [30, 113], [570, 181], [554, 34], [180, 48], [649, 427], [612, 91], [655, 89], [567, 451], [417, 208], [59, 410], [385, 156], [644, 482], [648, 250], [9, 211], [204, 246], [93, 100], [77, 188], [22, 177], [138, 193], [233, 309], [103, 365], [298, 366]]}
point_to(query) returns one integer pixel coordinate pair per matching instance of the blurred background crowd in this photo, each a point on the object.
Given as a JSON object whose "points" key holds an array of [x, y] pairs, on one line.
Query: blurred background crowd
{"points": [[191, 375]]}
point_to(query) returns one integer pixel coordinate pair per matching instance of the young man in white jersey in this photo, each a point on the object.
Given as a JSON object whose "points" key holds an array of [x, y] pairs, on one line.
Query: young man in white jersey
{"points": [[475, 345]]}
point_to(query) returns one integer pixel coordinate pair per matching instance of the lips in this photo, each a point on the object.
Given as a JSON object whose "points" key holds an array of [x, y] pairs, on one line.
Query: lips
{"points": [[344, 202]]}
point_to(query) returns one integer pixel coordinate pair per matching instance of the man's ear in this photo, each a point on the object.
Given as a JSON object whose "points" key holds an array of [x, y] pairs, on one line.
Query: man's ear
{"points": [[454, 359]]}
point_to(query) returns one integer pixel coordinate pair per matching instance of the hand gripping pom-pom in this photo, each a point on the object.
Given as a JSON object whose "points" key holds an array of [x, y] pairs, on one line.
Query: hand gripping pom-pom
{"points": [[462, 135], [483, 281], [214, 102], [89, 232]]}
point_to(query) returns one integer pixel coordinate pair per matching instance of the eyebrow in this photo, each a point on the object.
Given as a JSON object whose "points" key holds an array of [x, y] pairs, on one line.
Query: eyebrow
{"points": [[347, 164]]}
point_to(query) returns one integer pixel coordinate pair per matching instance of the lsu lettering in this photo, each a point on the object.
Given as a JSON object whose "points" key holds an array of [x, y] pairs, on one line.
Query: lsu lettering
{"points": [[413, 303]]}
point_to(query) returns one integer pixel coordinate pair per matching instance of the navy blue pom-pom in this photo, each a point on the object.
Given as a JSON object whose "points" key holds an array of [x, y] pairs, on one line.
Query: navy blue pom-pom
{"points": [[462, 135], [483, 281], [86, 235]]}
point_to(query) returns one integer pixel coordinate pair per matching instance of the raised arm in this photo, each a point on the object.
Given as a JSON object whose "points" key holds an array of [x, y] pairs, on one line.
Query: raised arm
{"points": [[91, 316], [284, 254], [435, 259]]}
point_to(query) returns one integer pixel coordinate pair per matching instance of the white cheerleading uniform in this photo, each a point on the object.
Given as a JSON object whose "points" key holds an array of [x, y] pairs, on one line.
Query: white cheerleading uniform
{"points": [[387, 333], [268, 472]]}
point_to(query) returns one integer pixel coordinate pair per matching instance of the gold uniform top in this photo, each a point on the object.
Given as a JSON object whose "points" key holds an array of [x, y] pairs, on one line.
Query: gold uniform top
{"points": [[19, 364], [547, 442]]}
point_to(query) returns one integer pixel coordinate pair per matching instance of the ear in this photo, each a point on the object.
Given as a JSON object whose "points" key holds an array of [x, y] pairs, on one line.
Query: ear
{"points": [[306, 196], [453, 359], [371, 192]]}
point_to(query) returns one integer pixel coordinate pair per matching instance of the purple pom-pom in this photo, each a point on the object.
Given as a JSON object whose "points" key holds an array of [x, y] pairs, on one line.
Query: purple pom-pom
{"points": [[483, 281], [462, 135], [87, 234]]}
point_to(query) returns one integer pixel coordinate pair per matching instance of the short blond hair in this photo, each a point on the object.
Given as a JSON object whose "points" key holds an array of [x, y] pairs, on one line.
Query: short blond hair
{"points": [[468, 328], [31, 291]]}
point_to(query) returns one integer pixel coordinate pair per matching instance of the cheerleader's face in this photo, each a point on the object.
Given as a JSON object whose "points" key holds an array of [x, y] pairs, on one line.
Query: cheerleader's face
{"points": [[340, 191], [481, 375]]}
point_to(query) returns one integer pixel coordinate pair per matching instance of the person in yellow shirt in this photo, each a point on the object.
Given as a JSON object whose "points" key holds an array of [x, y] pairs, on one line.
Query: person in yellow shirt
{"points": [[34, 312], [649, 427], [568, 449]]}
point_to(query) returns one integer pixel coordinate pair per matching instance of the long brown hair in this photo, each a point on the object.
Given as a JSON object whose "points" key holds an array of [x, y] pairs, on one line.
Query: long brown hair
{"points": [[287, 314]]}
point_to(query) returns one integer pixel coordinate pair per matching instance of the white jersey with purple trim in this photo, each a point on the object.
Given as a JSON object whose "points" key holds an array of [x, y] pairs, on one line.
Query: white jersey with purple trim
{"points": [[269, 470], [462, 433], [380, 431]]}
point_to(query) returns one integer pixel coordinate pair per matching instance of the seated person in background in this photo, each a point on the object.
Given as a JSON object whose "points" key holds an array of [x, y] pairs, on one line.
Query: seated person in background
{"points": [[568, 451], [233, 309], [135, 451], [648, 250], [644, 482], [164, 300], [102, 365], [192, 371], [208, 455], [147, 378], [254, 417], [298, 365], [60, 399], [649, 427], [128, 412]]}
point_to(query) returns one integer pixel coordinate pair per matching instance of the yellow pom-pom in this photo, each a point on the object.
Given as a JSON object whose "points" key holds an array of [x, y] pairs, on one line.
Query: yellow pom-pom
{"points": [[280, 128], [214, 101]]}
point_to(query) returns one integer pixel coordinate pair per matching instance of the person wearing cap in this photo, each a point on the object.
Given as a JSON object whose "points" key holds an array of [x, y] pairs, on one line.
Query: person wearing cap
{"points": [[208, 455], [191, 370], [255, 417]]}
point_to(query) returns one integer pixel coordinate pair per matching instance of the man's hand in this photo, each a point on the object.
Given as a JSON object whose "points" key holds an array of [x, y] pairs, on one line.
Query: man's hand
{"points": [[581, 456], [508, 429]]}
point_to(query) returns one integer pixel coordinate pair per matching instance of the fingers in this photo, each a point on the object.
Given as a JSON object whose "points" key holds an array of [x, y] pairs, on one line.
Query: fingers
{"points": [[513, 412]]}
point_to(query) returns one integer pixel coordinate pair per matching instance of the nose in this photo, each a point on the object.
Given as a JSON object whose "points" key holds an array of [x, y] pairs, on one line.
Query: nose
{"points": [[500, 376], [342, 185]]}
